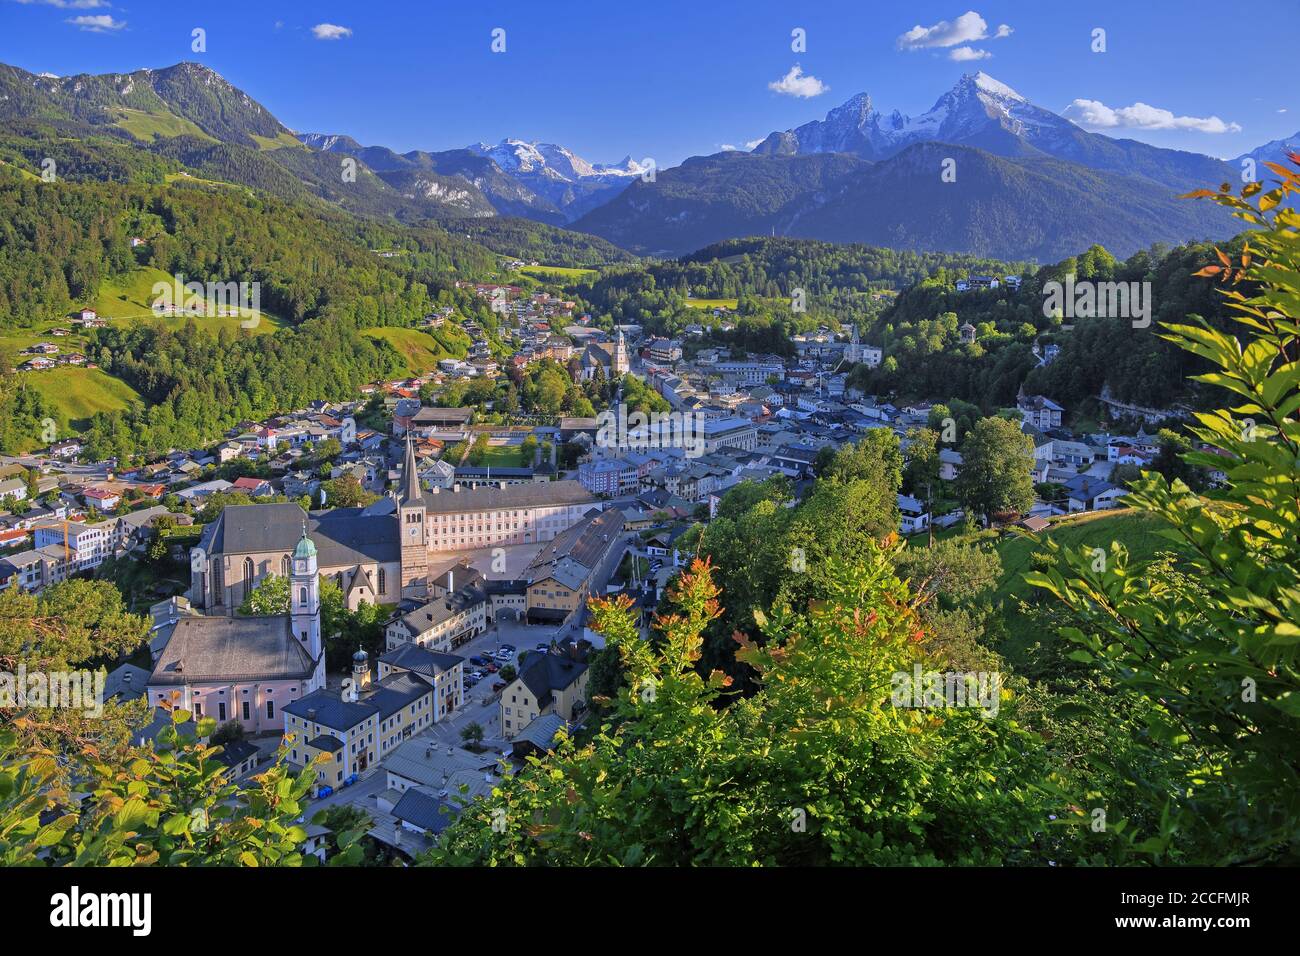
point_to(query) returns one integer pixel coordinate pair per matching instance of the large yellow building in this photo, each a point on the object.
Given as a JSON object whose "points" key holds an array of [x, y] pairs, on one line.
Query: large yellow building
{"points": [[341, 734], [551, 683]]}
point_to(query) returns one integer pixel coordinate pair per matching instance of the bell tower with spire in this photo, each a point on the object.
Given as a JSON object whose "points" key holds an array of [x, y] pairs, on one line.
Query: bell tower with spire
{"points": [[411, 527], [619, 364], [304, 605]]}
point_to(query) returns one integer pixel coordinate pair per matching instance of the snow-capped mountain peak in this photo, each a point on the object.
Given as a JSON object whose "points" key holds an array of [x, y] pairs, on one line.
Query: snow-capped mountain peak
{"points": [[520, 157], [976, 107], [986, 84]]}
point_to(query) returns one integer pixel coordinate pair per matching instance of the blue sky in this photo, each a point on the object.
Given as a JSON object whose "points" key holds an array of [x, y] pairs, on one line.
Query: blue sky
{"points": [[673, 79]]}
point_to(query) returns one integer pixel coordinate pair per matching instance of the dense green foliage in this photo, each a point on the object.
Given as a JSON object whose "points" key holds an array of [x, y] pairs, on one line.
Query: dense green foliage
{"points": [[1212, 646], [816, 768], [527, 240], [921, 337]]}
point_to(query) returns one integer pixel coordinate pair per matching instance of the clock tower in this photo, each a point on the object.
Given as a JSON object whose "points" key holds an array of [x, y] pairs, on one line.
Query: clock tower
{"points": [[411, 528]]}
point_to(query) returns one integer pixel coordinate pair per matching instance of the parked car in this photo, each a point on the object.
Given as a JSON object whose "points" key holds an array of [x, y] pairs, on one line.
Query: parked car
{"points": [[491, 668], [478, 659], [498, 686], [508, 647], [542, 646]]}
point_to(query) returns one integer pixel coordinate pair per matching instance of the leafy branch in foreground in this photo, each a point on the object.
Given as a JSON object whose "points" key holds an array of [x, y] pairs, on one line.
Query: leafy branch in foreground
{"points": [[1214, 649], [166, 805]]}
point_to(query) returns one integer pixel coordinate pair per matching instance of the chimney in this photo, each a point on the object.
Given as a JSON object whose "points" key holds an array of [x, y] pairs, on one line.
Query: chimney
{"points": [[311, 713], [451, 582]]}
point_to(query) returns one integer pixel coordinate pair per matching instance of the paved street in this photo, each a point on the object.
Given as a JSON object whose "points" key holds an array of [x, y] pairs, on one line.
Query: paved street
{"points": [[481, 701]]}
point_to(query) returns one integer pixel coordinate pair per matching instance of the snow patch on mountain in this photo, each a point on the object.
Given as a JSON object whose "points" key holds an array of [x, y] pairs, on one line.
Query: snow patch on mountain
{"points": [[976, 104], [517, 156]]}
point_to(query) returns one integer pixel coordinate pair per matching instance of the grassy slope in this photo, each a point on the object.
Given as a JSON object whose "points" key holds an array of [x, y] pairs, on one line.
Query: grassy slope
{"points": [[121, 301], [283, 141], [128, 299], [148, 126], [418, 349], [557, 272], [77, 393], [711, 303], [1137, 531]]}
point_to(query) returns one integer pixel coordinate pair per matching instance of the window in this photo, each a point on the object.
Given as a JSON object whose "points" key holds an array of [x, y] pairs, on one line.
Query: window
{"points": [[383, 588], [270, 710], [302, 597], [221, 711], [248, 576], [284, 566], [246, 710]]}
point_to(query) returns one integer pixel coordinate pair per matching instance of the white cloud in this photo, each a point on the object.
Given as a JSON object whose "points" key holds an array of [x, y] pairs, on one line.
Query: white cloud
{"points": [[967, 28], [330, 31], [750, 144], [70, 4], [1282, 110], [727, 148], [798, 83], [1096, 115], [102, 23], [964, 53]]}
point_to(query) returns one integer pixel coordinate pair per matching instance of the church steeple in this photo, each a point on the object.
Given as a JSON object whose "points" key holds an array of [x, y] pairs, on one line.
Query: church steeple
{"points": [[410, 489], [619, 363], [411, 529]]}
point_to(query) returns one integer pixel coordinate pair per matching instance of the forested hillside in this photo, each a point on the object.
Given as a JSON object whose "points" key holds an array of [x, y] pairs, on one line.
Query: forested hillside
{"points": [[924, 354], [61, 242]]}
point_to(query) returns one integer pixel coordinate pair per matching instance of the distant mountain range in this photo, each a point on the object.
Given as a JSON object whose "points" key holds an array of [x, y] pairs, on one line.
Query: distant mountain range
{"points": [[540, 181], [1028, 182]]}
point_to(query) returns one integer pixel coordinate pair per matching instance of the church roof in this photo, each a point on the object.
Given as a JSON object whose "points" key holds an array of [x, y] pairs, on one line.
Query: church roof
{"points": [[530, 495], [342, 537], [203, 649]]}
